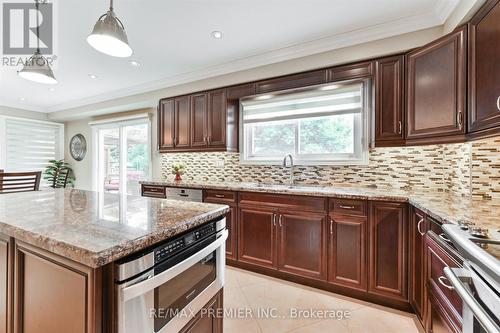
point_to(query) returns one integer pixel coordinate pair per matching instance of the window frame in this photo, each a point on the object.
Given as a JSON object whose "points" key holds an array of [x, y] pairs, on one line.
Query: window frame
{"points": [[362, 127]]}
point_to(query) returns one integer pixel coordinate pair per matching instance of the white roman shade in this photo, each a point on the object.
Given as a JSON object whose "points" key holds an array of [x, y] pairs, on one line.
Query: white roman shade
{"points": [[28, 145]]}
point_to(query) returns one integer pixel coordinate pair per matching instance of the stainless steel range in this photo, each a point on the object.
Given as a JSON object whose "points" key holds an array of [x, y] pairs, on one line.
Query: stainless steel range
{"points": [[478, 282]]}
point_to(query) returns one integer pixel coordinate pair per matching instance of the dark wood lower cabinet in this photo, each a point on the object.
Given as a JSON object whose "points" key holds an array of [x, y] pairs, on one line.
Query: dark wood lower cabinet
{"points": [[347, 251], [302, 244], [257, 236], [418, 228], [53, 294], [5, 283], [208, 319], [388, 250]]}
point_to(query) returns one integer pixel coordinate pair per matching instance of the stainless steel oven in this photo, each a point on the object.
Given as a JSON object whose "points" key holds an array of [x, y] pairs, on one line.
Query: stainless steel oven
{"points": [[159, 290]]}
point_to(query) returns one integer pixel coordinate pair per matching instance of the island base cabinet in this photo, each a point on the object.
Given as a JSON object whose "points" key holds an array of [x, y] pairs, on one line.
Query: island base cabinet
{"points": [[53, 294], [208, 319], [6, 282], [388, 250]]}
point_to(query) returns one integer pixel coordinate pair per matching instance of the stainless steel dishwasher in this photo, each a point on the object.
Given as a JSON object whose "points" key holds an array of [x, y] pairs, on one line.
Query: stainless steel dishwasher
{"points": [[184, 194]]}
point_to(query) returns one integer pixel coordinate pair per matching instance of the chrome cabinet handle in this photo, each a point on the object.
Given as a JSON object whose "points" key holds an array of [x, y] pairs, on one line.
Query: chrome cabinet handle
{"points": [[443, 237], [346, 207], [418, 227], [280, 221], [331, 226], [400, 127], [459, 120], [274, 219], [444, 284], [498, 103], [219, 195]]}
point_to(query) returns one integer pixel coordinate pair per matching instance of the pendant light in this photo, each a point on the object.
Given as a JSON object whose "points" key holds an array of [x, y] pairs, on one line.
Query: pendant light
{"points": [[37, 67], [109, 35]]}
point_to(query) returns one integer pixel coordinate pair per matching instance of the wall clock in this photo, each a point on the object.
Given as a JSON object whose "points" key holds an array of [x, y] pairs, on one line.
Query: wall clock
{"points": [[78, 147]]}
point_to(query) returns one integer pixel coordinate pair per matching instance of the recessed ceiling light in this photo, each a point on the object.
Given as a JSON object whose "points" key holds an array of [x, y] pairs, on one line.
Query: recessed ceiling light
{"points": [[135, 63], [92, 76], [22, 99], [52, 89], [216, 34]]}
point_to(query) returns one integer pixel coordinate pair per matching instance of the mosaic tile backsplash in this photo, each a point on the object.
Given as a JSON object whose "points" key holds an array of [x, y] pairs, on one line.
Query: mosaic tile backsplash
{"points": [[464, 169]]}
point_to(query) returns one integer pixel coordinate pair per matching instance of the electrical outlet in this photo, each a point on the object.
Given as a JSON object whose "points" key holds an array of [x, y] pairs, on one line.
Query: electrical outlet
{"points": [[219, 163]]}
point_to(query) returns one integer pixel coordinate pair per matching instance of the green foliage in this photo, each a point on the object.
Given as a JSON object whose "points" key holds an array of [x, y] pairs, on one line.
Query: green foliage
{"points": [[54, 169], [138, 157], [178, 168]]}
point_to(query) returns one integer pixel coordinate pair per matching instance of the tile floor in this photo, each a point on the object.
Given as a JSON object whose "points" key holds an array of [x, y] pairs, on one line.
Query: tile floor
{"points": [[246, 292]]}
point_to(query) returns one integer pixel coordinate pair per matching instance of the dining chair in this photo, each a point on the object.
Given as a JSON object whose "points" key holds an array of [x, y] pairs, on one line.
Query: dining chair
{"points": [[11, 182], [61, 178]]}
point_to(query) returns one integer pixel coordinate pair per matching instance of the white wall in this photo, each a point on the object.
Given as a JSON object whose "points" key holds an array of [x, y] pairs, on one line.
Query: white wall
{"points": [[83, 169], [13, 112]]}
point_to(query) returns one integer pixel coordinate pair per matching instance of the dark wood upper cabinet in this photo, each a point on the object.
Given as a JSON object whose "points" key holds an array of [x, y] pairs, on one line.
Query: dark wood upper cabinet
{"points": [[216, 125], [418, 228], [388, 250], [166, 111], [389, 96], [351, 71], [436, 88], [292, 81], [199, 120], [484, 68], [302, 244], [182, 120], [347, 251]]}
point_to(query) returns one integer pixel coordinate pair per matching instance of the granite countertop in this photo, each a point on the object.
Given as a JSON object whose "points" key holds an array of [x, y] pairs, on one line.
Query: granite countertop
{"points": [[97, 228], [442, 206]]}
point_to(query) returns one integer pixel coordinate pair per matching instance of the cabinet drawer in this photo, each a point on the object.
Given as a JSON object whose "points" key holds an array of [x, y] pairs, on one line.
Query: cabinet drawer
{"points": [[294, 202], [153, 191], [353, 71], [438, 257], [348, 207], [218, 196]]}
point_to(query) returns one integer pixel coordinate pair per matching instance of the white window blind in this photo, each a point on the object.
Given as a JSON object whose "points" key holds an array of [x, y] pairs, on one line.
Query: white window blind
{"points": [[319, 125], [28, 145]]}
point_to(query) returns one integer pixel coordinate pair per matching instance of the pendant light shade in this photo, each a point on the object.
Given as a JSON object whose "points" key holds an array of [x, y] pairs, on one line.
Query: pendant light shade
{"points": [[109, 36], [37, 69]]}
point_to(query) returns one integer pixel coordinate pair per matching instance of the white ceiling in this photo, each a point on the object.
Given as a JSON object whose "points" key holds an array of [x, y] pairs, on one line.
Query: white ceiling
{"points": [[171, 39]]}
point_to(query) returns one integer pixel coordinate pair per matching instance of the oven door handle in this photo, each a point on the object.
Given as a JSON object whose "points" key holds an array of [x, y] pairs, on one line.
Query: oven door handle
{"points": [[150, 283], [484, 319]]}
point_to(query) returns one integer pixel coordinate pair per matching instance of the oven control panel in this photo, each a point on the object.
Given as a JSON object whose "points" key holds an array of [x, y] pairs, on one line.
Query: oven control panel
{"points": [[180, 243]]}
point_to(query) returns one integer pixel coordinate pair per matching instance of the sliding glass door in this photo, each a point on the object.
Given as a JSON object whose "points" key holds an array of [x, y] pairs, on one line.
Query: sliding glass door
{"points": [[123, 155]]}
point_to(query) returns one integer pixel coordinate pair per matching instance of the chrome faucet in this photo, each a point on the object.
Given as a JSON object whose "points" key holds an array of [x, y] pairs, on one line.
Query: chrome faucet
{"points": [[291, 167]]}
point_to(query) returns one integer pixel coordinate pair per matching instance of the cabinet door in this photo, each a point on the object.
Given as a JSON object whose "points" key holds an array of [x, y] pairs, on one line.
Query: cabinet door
{"points": [[6, 284], [484, 80], [302, 244], [53, 294], [207, 320], [418, 227], [436, 87], [347, 251], [199, 120], [182, 122], [439, 321], [217, 118], [257, 236], [388, 250], [389, 124], [166, 130]]}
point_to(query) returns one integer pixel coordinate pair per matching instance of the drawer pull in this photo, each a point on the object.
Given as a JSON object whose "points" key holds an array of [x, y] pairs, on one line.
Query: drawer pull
{"points": [[219, 195], [400, 127], [444, 284], [446, 239], [418, 227], [346, 207], [498, 103]]}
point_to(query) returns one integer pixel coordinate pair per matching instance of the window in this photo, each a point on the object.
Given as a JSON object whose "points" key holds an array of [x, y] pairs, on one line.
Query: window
{"points": [[321, 125], [28, 145]]}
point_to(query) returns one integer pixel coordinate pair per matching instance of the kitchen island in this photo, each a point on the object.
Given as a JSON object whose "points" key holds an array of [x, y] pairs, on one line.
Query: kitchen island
{"points": [[59, 249]]}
